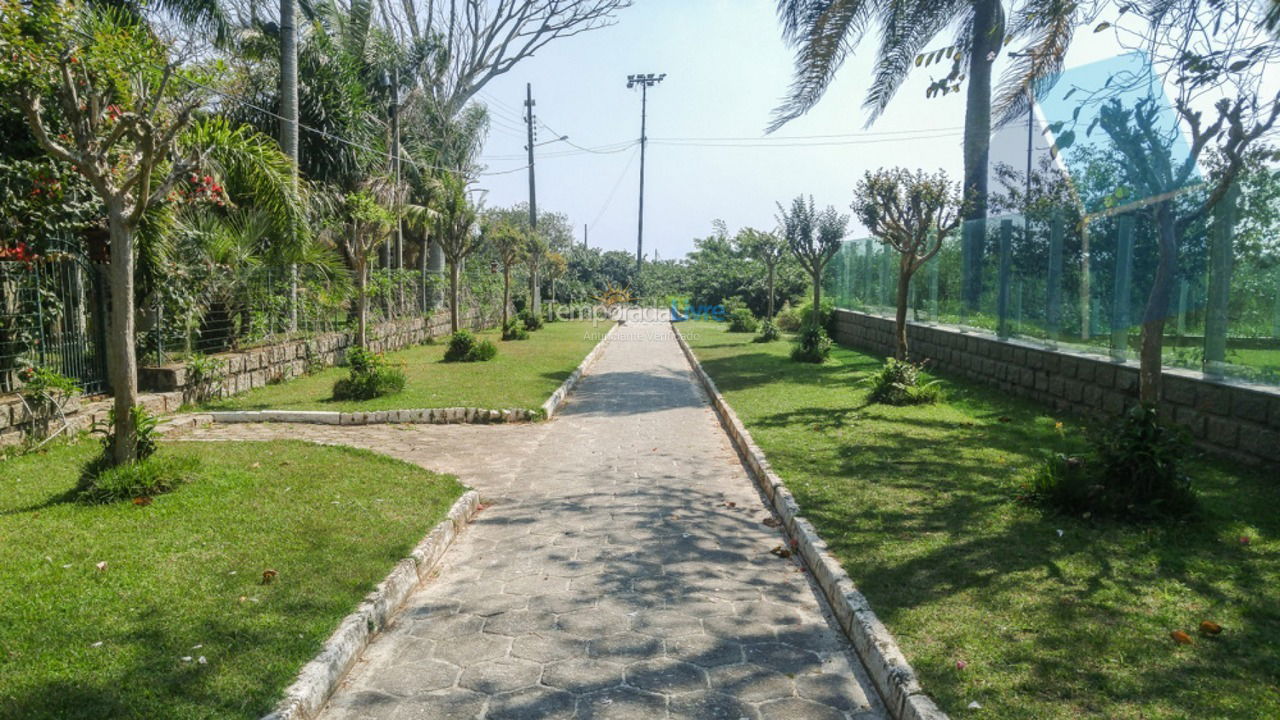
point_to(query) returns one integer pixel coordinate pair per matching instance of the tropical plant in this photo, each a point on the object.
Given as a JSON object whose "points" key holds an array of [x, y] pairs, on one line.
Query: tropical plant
{"points": [[768, 332], [455, 232], [508, 243], [367, 225], [465, 347], [770, 249], [812, 345], [897, 382], [814, 238], [369, 376], [912, 213]]}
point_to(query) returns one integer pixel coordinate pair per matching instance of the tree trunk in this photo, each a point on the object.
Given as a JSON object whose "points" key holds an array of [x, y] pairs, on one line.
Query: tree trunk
{"points": [[123, 361], [289, 122], [900, 320], [1151, 357], [506, 295], [535, 292], [817, 297], [362, 306], [772, 270], [454, 276], [987, 38]]}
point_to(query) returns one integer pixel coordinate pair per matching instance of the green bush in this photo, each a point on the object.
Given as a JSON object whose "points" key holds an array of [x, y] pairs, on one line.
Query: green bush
{"points": [[144, 424], [370, 377], [515, 330], [898, 383], [153, 475], [463, 347], [742, 321], [1135, 470], [812, 345], [531, 321], [791, 318], [768, 332]]}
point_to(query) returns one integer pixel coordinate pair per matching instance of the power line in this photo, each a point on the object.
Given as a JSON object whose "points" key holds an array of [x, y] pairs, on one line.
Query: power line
{"points": [[613, 191]]}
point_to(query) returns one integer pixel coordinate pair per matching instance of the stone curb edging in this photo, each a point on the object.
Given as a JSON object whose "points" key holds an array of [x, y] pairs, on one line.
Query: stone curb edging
{"points": [[888, 667], [320, 677], [557, 399], [424, 416]]}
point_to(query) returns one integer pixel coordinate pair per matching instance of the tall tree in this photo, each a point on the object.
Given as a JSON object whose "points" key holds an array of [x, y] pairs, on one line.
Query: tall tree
{"points": [[769, 249], [825, 32], [367, 225], [911, 213], [814, 238], [508, 242]]}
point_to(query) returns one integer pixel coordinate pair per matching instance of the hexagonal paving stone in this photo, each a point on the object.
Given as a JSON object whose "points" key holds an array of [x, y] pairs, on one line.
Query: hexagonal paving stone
{"points": [[817, 637], [625, 647], [494, 676], [767, 613], [496, 603], [666, 676], [705, 650], [562, 602], [709, 705], [467, 650], [359, 704], [737, 628], [784, 658], [535, 702], [665, 623], [592, 622], [446, 627], [414, 678], [549, 645], [835, 689], [534, 584], [440, 705], [519, 622], [751, 683], [582, 674], [621, 703], [798, 709]]}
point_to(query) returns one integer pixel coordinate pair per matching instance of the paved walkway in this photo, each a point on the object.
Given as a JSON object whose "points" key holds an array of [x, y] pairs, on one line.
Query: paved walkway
{"points": [[622, 569]]}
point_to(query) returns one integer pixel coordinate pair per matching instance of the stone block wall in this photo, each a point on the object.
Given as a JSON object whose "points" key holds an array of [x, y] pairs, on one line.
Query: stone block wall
{"points": [[1237, 420], [166, 388]]}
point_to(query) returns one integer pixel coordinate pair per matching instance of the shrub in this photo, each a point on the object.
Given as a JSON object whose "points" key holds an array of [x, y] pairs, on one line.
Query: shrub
{"points": [[463, 347], [204, 376], [742, 321], [791, 318], [142, 478], [531, 321], [897, 382], [369, 377], [144, 424], [45, 393], [1134, 470], [514, 330], [787, 319], [812, 345], [768, 332]]}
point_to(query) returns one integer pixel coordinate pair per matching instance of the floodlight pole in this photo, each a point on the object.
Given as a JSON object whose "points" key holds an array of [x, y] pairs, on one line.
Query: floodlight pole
{"points": [[645, 81]]}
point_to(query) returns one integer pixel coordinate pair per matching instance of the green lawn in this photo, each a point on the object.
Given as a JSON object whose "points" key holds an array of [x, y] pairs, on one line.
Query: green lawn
{"points": [[184, 576], [1053, 617], [523, 375]]}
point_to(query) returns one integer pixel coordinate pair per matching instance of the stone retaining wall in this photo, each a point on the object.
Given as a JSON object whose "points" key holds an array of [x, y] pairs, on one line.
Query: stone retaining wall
{"points": [[1238, 420]]}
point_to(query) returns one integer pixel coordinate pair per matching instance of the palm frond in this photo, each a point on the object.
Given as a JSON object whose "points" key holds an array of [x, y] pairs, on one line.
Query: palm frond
{"points": [[824, 33], [1049, 25], [908, 28]]}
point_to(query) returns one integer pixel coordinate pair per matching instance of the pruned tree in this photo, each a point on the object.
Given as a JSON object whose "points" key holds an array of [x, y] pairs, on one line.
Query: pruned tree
{"points": [[770, 249], [99, 92], [814, 238], [509, 243], [455, 230], [1214, 61], [367, 225], [537, 249], [911, 212], [557, 266]]}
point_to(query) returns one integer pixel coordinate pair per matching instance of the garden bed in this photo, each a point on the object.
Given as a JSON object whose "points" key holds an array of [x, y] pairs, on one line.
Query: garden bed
{"points": [[1027, 614], [522, 375], [179, 623]]}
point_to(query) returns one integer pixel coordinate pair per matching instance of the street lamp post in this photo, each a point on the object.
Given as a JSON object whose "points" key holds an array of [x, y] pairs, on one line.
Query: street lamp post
{"points": [[644, 81]]}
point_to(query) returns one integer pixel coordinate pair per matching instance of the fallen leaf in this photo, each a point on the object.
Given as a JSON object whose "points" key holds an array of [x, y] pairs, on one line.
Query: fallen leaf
{"points": [[202, 660], [1209, 627], [781, 552], [771, 522], [1244, 540], [975, 705], [97, 644], [268, 576], [960, 664], [142, 501], [256, 465], [1005, 419], [1180, 637], [102, 566], [186, 658], [730, 504]]}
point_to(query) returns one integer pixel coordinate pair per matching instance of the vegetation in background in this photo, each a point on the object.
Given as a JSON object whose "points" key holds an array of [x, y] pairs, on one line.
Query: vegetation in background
{"points": [[814, 238], [465, 347], [742, 320]]}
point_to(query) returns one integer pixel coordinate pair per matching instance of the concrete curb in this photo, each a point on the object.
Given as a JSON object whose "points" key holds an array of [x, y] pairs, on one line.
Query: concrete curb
{"points": [[423, 416], [888, 667], [557, 399], [319, 678]]}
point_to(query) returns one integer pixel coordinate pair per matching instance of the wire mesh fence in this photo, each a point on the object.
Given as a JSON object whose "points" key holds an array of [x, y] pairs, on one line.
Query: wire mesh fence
{"points": [[1083, 283]]}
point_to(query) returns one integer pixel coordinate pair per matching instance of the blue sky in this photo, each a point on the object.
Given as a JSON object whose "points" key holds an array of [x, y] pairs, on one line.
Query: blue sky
{"points": [[726, 69]]}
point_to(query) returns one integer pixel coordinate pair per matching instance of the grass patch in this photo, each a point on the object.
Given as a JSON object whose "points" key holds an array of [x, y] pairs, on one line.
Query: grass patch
{"points": [[916, 502], [186, 571], [522, 375]]}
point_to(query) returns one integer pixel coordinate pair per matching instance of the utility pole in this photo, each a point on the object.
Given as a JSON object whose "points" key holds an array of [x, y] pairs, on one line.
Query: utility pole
{"points": [[645, 82], [528, 119]]}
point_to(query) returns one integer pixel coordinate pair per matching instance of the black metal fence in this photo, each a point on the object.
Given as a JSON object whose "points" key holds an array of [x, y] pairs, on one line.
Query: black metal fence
{"points": [[53, 315]]}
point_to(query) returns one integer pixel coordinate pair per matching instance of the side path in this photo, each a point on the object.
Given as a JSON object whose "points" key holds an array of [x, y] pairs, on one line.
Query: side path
{"points": [[622, 569]]}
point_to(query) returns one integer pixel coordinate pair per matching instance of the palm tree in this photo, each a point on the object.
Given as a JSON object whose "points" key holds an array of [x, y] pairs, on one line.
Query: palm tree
{"points": [[508, 242], [825, 32], [454, 230]]}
